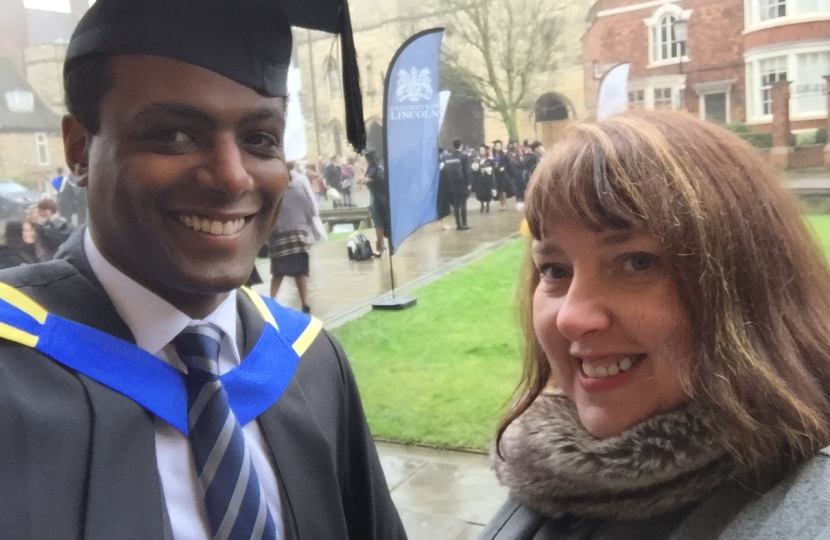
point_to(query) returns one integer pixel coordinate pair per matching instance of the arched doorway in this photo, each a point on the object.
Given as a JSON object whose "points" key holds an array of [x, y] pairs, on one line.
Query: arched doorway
{"points": [[552, 113], [374, 138], [464, 118]]}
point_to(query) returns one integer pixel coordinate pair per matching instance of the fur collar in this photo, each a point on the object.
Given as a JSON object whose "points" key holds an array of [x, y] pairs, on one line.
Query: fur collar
{"points": [[553, 465]]}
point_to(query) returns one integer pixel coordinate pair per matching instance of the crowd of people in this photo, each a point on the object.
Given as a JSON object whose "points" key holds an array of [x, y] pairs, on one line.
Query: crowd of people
{"points": [[491, 173], [36, 238]]}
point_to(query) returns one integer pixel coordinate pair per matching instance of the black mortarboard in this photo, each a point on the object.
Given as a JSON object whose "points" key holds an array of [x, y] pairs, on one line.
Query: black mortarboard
{"points": [[248, 41]]}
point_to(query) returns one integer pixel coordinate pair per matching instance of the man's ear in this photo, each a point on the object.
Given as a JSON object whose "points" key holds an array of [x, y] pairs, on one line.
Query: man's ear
{"points": [[76, 141]]}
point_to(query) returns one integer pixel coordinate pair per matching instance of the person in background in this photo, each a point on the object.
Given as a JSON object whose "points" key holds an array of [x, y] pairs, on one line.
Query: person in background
{"points": [[19, 248], [530, 160], [332, 173], [52, 229], [455, 167], [444, 198], [503, 175], [483, 181], [318, 183], [347, 176], [378, 185], [671, 390], [290, 243]]}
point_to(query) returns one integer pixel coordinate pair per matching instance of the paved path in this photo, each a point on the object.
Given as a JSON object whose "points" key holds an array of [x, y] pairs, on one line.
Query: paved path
{"points": [[441, 495]]}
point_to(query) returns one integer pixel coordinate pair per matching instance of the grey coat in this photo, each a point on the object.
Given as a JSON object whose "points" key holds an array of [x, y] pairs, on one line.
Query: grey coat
{"points": [[798, 508]]}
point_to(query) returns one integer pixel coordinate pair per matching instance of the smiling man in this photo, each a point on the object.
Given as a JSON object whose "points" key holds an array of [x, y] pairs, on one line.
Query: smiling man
{"points": [[143, 394]]}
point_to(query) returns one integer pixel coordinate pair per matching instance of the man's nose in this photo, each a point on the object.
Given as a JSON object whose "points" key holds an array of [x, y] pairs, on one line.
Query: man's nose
{"points": [[584, 310], [228, 172]]}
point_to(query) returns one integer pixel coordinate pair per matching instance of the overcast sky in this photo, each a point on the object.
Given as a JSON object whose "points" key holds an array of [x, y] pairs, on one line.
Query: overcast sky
{"points": [[50, 5]]}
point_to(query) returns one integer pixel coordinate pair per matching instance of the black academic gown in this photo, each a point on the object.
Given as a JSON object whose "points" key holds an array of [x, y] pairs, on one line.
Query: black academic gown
{"points": [[77, 460]]}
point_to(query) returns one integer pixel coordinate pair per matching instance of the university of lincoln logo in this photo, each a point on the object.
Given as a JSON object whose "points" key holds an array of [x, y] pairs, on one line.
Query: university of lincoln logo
{"points": [[414, 86]]}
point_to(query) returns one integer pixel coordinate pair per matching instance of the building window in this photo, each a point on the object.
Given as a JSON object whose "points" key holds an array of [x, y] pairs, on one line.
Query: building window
{"points": [[665, 45], [662, 98], [20, 101], [637, 99], [715, 107], [772, 70], [810, 89], [772, 9], [42, 148], [332, 75], [772, 12]]}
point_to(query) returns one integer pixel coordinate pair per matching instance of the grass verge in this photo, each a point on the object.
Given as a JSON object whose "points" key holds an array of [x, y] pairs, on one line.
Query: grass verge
{"points": [[441, 373]]}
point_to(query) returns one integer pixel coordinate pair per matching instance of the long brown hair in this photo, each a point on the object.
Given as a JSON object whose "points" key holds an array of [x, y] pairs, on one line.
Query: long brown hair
{"points": [[749, 274]]}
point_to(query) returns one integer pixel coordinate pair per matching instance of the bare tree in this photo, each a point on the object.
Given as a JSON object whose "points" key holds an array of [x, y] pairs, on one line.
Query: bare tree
{"points": [[495, 47]]}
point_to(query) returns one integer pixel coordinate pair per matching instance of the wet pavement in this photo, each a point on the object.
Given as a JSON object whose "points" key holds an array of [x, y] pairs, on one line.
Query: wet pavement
{"points": [[340, 290], [441, 495]]}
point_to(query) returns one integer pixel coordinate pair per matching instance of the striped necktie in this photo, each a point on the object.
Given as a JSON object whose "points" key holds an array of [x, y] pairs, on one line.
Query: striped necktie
{"points": [[234, 500]]}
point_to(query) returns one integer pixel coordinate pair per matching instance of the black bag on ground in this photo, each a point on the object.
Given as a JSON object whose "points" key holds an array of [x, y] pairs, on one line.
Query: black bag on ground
{"points": [[359, 248]]}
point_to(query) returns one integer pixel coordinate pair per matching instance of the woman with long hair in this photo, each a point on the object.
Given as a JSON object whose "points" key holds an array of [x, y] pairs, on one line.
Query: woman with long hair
{"points": [[677, 318]]}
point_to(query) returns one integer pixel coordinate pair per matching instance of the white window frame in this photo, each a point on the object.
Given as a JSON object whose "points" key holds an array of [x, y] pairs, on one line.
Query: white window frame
{"points": [[648, 85], [753, 22], [653, 26], [42, 149], [753, 58], [20, 101]]}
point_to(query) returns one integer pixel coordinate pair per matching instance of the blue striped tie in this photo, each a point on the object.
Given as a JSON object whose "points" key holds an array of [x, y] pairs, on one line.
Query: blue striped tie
{"points": [[234, 500]]}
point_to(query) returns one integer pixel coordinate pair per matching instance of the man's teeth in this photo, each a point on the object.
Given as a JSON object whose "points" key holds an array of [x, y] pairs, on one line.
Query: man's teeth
{"points": [[212, 226], [599, 372]]}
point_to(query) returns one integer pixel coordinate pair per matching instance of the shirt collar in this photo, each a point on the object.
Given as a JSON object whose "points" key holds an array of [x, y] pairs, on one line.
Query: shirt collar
{"points": [[153, 321]]}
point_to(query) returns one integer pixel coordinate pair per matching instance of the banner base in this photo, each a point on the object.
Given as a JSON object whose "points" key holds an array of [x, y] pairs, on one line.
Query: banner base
{"points": [[394, 304]]}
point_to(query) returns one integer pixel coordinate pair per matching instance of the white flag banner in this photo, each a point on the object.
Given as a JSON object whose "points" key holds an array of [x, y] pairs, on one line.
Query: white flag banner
{"points": [[444, 100], [296, 146], [613, 92]]}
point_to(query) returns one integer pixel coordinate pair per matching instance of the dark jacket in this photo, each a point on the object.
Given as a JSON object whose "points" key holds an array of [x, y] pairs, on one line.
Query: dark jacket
{"points": [[77, 460]]}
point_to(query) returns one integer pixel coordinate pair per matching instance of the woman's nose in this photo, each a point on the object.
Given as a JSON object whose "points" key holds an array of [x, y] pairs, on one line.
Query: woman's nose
{"points": [[583, 310]]}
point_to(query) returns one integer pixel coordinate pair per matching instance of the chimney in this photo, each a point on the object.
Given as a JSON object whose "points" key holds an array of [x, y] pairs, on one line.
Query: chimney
{"points": [[14, 33]]}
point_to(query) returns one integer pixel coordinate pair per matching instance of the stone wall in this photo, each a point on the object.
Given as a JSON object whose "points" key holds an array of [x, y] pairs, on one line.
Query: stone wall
{"points": [[44, 71], [19, 159]]}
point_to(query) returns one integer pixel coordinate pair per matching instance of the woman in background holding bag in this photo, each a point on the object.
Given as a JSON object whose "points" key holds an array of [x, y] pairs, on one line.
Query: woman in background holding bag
{"points": [[298, 227]]}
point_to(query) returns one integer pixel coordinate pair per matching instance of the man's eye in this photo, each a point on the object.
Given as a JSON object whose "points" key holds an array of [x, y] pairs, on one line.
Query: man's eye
{"points": [[640, 262], [553, 272], [171, 136], [264, 140]]}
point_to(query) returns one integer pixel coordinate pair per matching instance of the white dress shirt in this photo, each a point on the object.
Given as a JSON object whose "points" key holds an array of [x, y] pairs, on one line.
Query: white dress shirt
{"points": [[154, 323]]}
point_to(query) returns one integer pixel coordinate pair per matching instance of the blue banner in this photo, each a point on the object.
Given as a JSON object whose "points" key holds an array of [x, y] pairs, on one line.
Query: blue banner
{"points": [[412, 106]]}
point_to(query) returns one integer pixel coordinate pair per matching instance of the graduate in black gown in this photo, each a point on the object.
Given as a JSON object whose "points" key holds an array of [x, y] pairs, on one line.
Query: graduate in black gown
{"points": [[144, 395], [483, 180], [503, 175]]}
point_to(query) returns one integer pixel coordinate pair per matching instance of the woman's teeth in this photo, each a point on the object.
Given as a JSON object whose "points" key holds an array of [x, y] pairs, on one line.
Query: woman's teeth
{"points": [[600, 372], [212, 226]]}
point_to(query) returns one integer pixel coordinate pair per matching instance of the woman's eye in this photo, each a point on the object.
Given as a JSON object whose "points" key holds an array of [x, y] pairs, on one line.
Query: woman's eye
{"points": [[553, 272], [640, 262]]}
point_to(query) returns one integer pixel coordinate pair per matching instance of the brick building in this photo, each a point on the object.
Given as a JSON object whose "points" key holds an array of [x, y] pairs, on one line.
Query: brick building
{"points": [[733, 51]]}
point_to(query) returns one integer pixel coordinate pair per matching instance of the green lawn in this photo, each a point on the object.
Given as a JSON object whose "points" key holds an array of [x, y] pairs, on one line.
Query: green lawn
{"points": [[441, 372], [821, 228]]}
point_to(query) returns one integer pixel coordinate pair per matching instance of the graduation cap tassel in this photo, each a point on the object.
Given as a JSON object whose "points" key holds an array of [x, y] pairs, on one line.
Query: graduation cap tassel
{"points": [[355, 126]]}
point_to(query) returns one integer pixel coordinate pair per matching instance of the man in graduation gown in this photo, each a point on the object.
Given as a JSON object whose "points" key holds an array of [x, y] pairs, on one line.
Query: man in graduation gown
{"points": [[121, 356]]}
